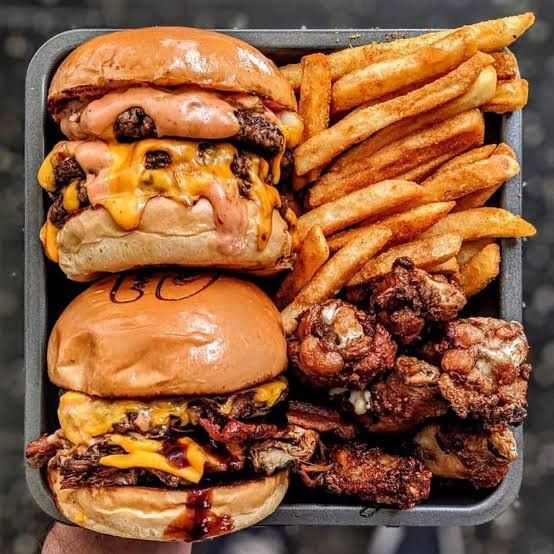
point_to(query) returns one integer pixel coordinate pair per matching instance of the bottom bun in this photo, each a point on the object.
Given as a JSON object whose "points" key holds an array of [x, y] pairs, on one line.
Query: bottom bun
{"points": [[170, 515], [169, 233]]}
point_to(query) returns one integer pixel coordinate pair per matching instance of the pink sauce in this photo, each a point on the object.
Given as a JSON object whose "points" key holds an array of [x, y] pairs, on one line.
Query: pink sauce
{"points": [[191, 113]]}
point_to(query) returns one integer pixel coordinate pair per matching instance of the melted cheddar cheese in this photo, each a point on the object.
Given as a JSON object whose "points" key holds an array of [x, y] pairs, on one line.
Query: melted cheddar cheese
{"points": [[145, 453], [118, 180], [83, 417]]}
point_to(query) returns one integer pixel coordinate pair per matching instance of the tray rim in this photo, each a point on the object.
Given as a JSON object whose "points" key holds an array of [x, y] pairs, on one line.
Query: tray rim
{"points": [[35, 302]]}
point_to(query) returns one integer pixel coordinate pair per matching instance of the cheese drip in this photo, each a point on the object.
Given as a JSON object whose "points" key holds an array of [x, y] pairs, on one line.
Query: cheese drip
{"points": [[118, 180], [83, 417]]}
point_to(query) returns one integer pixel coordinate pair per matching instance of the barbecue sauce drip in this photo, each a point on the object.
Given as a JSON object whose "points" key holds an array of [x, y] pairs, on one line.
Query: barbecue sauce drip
{"points": [[198, 520]]}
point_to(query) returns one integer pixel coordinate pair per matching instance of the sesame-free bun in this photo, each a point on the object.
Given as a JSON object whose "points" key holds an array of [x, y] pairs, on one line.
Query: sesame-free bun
{"points": [[169, 233], [148, 334], [168, 57], [169, 515]]}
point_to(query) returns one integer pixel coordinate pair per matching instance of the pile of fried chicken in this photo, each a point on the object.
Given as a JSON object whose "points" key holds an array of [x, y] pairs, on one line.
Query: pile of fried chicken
{"points": [[394, 358]]}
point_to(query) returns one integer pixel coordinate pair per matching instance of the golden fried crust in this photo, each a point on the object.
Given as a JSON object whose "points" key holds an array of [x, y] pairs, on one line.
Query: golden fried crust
{"points": [[484, 371], [459, 451], [336, 344], [372, 475], [408, 396]]}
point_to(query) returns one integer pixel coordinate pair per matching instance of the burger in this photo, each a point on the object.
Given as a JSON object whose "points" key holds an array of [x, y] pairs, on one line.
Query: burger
{"points": [[176, 138], [169, 426]]}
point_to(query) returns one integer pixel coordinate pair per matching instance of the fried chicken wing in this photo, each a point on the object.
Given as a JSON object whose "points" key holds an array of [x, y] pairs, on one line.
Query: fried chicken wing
{"points": [[406, 298], [406, 397], [459, 451], [484, 374], [371, 475], [336, 344]]}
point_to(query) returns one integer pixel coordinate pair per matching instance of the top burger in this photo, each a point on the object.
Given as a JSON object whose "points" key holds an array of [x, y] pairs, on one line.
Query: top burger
{"points": [[176, 138]]}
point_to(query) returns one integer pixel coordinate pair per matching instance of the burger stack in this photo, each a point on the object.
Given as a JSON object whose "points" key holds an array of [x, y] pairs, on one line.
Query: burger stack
{"points": [[169, 377]]}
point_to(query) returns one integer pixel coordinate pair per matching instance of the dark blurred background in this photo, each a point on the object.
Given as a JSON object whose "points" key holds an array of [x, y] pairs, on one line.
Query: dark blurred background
{"points": [[526, 527]]}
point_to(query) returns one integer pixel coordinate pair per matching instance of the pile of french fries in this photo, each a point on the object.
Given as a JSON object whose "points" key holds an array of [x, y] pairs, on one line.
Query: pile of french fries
{"points": [[393, 162]]}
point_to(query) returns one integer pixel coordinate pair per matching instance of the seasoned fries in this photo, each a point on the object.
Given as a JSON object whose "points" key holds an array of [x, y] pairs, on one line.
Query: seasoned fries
{"points": [[452, 136], [480, 223], [313, 253], [381, 78], [371, 201], [335, 274], [469, 249], [458, 182], [469, 157], [450, 266], [315, 102], [355, 127], [423, 252], [505, 65], [404, 226], [490, 36], [509, 97], [480, 270], [481, 91]]}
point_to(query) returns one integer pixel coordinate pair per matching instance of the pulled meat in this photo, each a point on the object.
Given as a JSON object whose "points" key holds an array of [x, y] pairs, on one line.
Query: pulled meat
{"points": [[134, 124], [460, 451], [319, 418], [258, 134], [371, 475], [292, 447], [39, 451], [405, 398], [484, 369], [406, 298], [336, 344]]}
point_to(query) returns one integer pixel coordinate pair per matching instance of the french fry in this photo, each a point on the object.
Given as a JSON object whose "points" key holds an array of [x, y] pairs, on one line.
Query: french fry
{"points": [[481, 91], [381, 78], [469, 249], [480, 223], [449, 266], [509, 97], [423, 252], [451, 136], [505, 64], [483, 174], [335, 274], [480, 270], [490, 36], [421, 172], [371, 201], [476, 199], [313, 253], [354, 128], [314, 105], [404, 226], [469, 157]]}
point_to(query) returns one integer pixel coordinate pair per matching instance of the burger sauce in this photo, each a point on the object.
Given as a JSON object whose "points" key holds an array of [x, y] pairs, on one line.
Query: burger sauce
{"points": [[191, 113], [198, 520]]}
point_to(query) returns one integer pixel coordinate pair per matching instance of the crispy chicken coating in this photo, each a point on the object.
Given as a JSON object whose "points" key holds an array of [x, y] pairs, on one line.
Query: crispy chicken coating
{"points": [[336, 344], [371, 475], [459, 451], [406, 298], [484, 374], [406, 397]]}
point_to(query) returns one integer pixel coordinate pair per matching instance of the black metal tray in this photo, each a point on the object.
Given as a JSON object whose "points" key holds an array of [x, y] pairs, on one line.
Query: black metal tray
{"points": [[47, 292]]}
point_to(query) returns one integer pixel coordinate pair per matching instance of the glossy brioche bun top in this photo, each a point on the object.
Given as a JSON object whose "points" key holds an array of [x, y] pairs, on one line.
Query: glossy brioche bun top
{"points": [[168, 57], [168, 514], [167, 333]]}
